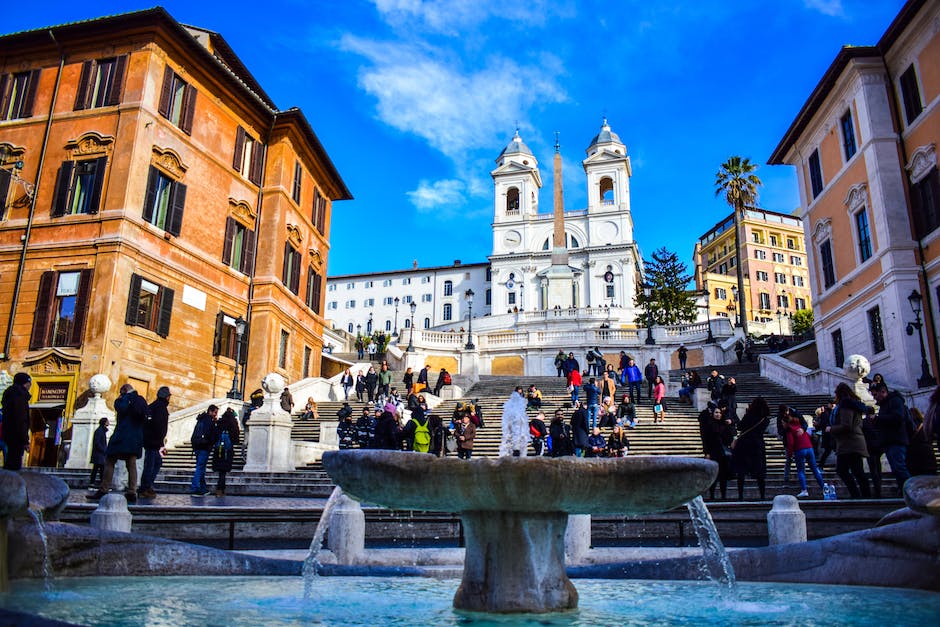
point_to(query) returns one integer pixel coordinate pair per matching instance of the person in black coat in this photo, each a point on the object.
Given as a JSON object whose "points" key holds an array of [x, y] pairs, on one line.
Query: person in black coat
{"points": [[99, 444], [579, 430], [15, 405], [748, 452], [717, 433], [561, 436], [371, 381], [126, 443], [223, 454], [387, 433], [155, 441]]}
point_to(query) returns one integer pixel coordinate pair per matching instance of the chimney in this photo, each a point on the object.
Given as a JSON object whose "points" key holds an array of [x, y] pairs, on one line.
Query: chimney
{"points": [[414, 264], [456, 262]]}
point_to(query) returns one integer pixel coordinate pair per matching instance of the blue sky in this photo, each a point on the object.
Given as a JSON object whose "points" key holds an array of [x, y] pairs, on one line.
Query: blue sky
{"points": [[414, 100]]}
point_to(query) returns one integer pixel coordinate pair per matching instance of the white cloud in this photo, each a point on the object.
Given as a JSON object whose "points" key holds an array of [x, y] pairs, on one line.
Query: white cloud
{"points": [[447, 194], [453, 16], [832, 8]]}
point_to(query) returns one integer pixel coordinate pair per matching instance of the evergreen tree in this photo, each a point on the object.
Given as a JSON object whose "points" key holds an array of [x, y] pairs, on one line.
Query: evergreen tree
{"points": [[669, 301]]}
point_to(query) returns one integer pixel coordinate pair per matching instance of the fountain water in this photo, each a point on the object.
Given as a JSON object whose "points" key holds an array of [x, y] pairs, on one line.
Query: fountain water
{"points": [[36, 515], [717, 565], [311, 563]]}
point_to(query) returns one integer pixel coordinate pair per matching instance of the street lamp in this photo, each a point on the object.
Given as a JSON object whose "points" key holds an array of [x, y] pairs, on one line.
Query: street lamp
{"points": [[395, 329], [780, 322], [708, 314], [358, 331], [468, 296], [240, 325], [648, 292], [369, 324], [916, 300], [734, 307], [411, 332]]}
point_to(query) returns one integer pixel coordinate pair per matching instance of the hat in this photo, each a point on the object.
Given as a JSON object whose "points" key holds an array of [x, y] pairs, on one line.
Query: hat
{"points": [[21, 377], [163, 392]]}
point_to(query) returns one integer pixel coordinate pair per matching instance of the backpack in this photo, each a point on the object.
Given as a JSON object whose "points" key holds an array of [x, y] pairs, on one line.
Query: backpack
{"points": [[224, 451], [447, 379], [202, 435], [422, 441]]}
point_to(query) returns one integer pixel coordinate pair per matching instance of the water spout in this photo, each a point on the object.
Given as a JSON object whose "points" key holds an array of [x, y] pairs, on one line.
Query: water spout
{"points": [[717, 566], [311, 563], [46, 564]]}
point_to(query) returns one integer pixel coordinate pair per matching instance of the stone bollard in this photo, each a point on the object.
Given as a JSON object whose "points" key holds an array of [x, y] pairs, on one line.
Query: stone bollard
{"points": [[786, 522], [112, 514], [346, 531], [577, 537]]}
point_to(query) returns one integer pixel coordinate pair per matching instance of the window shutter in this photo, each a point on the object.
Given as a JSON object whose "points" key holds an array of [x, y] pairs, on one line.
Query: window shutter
{"points": [[239, 149], [150, 194], [81, 308], [242, 349], [317, 291], [100, 164], [5, 178], [217, 342], [43, 304], [166, 310], [248, 258], [308, 297], [117, 81], [81, 95], [177, 202], [189, 110], [227, 243], [31, 85], [4, 97], [257, 158], [314, 216], [133, 300], [285, 279], [295, 273], [63, 184], [298, 177], [164, 107]]}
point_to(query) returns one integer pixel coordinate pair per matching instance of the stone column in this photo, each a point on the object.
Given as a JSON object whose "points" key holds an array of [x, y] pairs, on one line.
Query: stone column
{"points": [[786, 522], [577, 537], [85, 422], [269, 444], [328, 435], [112, 514]]}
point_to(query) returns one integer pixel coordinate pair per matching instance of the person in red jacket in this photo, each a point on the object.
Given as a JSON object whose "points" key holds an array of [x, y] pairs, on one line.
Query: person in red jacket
{"points": [[800, 447]]}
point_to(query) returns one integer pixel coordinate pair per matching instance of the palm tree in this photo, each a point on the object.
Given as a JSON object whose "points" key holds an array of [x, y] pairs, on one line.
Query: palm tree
{"points": [[737, 181]]}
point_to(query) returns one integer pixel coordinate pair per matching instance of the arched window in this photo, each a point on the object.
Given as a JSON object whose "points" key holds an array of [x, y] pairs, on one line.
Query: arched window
{"points": [[448, 288], [607, 191], [570, 242], [407, 323], [448, 311], [512, 200], [349, 328], [388, 325], [427, 323]]}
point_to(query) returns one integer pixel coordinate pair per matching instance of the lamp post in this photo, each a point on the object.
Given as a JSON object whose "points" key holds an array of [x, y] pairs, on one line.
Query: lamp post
{"points": [[358, 331], [708, 314], [369, 325], [468, 296], [648, 292], [780, 322], [926, 379], [411, 332], [240, 325], [734, 307], [395, 329]]}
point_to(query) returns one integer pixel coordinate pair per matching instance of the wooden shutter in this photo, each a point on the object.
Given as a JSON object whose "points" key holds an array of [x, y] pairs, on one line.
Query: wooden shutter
{"points": [[81, 308], [166, 94], [100, 164], [31, 85], [189, 110], [44, 300], [295, 272], [177, 201], [239, 149], [63, 185], [248, 256], [308, 297], [317, 292], [285, 266], [133, 300], [298, 177], [166, 310], [151, 194], [4, 97], [5, 178], [257, 158], [84, 86], [117, 81], [314, 215], [219, 327], [227, 243]]}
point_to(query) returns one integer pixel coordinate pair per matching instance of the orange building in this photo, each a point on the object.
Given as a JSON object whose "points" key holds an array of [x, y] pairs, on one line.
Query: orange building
{"points": [[864, 145], [151, 195]]}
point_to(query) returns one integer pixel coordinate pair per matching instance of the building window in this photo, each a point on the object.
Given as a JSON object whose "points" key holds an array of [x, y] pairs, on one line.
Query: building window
{"points": [[307, 354], [910, 94], [774, 240], [368, 302], [367, 284], [448, 288], [764, 299], [427, 323], [723, 267], [406, 281], [796, 261], [838, 351], [797, 280], [349, 328], [425, 279], [512, 200], [298, 179], [848, 135], [318, 216], [406, 299], [925, 204], [791, 244], [238, 249], [760, 254], [333, 305], [177, 101], [875, 330], [388, 325], [609, 290], [512, 298], [489, 274], [721, 293], [800, 303], [783, 301], [425, 298], [388, 300], [779, 258], [350, 285], [350, 304], [825, 259], [100, 83], [489, 297], [448, 311], [760, 275], [282, 350], [149, 306], [61, 307], [78, 187], [17, 94], [387, 283], [248, 156], [780, 277], [226, 339], [164, 202], [407, 323], [815, 173], [331, 287], [864, 235], [290, 270], [314, 289]]}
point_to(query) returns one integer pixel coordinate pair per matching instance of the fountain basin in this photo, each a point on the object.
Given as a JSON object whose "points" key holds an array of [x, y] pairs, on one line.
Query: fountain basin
{"points": [[515, 510]]}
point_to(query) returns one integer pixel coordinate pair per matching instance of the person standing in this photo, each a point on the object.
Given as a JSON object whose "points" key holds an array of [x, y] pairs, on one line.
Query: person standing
{"points": [[560, 363], [409, 380], [387, 432], [538, 430], [847, 431], [15, 406], [574, 385], [371, 381], [155, 441], [515, 425], [715, 383], [287, 400], [360, 385], [659, 400], [466, 433], [422, 379], [892, 423], [634, 377], [800, 447], [571, 364], [717, 434], [729, 395], [748, 451], [651, 372], [126, 443], [560, 435], [225, 438], [579, 430], [683, 356], [385, 380], [99, 447], [739, 350], [360, 348], [592, 395], [443, 378], [347, 382], [417, 432], [608, 386], [201, 442]]}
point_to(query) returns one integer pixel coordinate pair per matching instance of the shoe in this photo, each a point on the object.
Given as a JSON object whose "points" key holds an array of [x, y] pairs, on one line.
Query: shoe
{"points": [[802, 494], [131, 496], [147, 494], [96, 496], [220, 492], [199, 493]]}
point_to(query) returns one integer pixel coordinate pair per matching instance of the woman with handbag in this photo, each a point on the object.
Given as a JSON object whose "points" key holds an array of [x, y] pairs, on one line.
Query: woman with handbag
{"points": [[717, 433], [659, 404], [847, 431], [748, 453]]}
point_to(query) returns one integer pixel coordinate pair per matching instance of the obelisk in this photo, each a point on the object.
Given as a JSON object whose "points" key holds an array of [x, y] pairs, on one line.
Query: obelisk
{"points": [[559, 275]]}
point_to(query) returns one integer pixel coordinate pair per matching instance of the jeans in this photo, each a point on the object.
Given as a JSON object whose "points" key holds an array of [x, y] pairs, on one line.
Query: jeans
{"points": [[574, 394], [849, 469], [13, 458], [346, 392], [592, 414], [152, 464], [97, 471], [897, 459], [199, 475], [803, 457], [633, 389], [682, 361]]}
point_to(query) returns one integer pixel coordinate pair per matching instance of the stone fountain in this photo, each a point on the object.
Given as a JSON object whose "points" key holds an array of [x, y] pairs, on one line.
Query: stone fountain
{"points": [[515, 510]]}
